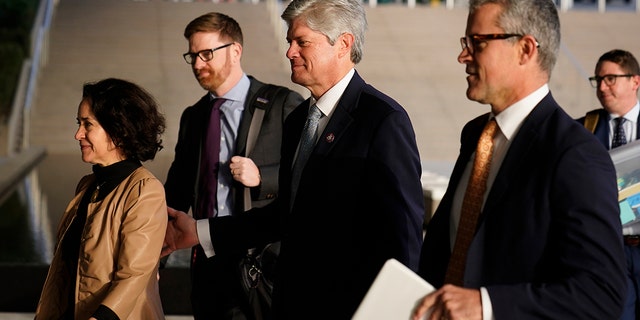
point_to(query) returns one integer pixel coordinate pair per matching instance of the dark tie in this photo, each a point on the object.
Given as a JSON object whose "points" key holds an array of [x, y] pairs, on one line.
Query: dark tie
{"points": [[471, 205], [619, 137], [209, 164], [307, 141]]}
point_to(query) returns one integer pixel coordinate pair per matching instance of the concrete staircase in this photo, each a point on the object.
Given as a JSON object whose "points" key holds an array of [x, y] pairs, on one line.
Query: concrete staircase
{"points": [[410, 53]]}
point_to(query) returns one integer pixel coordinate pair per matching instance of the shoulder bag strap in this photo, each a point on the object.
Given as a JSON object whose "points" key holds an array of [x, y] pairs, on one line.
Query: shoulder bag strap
{"points": [[591, 120], [264, 99]]}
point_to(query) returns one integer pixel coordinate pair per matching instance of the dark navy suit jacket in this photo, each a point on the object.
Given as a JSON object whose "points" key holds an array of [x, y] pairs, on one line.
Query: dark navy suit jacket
{"points": [[358, 204], [548, 244], [602, 128]]}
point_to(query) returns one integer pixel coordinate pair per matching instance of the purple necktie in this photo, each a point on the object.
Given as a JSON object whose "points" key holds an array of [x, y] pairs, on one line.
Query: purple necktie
{"points": [[209, 164]]}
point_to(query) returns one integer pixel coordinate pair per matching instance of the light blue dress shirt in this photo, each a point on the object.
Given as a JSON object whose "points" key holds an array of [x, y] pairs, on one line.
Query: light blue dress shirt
{"points": [[230, 117]]}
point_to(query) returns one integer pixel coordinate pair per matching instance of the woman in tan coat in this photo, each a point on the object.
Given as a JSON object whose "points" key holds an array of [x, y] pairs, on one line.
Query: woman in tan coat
{"points": [[105, 264]]}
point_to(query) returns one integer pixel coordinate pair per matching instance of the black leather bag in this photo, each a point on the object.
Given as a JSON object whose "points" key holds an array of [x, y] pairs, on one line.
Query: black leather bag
{"points": [[257, 273]]}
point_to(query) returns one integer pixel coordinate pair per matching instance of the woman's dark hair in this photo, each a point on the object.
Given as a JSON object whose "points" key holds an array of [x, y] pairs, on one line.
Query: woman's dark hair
{"points": [[129, 115]]}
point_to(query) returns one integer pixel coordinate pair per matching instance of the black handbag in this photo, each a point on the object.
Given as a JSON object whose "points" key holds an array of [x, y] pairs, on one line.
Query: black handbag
{"points": [[257, 273]]}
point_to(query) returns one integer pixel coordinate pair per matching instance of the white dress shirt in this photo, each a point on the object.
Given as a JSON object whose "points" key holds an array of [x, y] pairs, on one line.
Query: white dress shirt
{"points": [[509, 122]]}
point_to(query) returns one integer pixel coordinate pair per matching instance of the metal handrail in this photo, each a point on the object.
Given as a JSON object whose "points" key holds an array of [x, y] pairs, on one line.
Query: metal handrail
{"points": [[18, 130], [22, 159]]}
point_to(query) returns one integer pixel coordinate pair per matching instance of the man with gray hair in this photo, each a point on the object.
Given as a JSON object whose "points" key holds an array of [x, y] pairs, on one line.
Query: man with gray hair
{"points": [[529, 226], [350, 195]]}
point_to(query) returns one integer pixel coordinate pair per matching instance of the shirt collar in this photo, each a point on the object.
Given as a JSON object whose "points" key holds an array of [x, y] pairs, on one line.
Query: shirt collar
{"points": [[239, 92], [632, 115], [512, 117], [327, 103]]}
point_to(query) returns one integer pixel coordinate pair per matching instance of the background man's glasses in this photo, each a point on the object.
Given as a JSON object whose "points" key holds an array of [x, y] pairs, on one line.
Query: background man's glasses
{"points": [[471, 41], [205, 55], [609, 79]]}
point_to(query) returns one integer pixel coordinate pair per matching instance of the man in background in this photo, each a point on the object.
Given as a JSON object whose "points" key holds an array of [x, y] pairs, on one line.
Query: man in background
{"points": [[617, 78]]}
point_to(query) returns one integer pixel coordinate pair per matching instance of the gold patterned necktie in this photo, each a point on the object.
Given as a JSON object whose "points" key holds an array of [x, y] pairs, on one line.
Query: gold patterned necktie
{"points": [[471, 205]]}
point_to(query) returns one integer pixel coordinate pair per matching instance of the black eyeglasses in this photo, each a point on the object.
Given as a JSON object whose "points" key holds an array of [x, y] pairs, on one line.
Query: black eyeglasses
{"points": [[471, 41], [205, 55], [609, 79]]}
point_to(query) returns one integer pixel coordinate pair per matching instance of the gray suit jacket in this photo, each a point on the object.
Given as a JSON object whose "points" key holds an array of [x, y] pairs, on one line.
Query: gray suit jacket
{"points": [[182, 180]]}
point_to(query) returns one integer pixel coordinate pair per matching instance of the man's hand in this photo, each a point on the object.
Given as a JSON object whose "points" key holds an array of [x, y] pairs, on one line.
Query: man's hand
{"points": [[451, 303], [181, 232], [245, 171]]}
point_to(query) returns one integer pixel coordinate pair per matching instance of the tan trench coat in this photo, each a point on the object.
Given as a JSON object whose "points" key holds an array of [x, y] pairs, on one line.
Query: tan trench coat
{"points": [[119, 252]]}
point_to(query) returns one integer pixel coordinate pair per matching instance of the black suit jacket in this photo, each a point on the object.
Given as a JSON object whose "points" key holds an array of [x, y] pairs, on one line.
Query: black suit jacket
{"points": [[182, 180], [358, 204], [602, 127], [548, 244]]}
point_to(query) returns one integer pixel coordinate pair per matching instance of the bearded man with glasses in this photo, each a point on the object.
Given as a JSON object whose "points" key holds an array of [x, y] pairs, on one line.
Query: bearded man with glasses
{"points": [[617, 78], [212, 181]]}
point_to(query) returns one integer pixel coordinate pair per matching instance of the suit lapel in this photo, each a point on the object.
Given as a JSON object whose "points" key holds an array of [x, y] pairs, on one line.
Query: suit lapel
{"points": [[638, 128], [602, 128], [291, 134], [337, 125], [200, 120], [469, 139], [519, 151], [196, 128], [341, 117]]}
